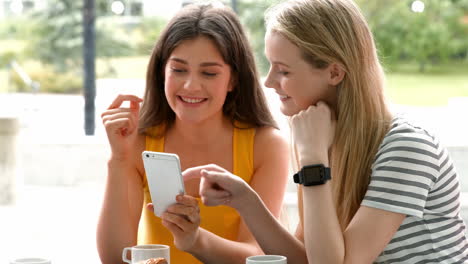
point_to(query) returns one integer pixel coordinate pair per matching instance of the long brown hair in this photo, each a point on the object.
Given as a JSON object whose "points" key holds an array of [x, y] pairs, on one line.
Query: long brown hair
{"points": [[335, 31], [245, 103]]}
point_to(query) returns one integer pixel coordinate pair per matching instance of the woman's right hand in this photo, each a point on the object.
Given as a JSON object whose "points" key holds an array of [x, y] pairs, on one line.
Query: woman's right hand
{"points": [[218, 186], [313, 132], [122, 125]]}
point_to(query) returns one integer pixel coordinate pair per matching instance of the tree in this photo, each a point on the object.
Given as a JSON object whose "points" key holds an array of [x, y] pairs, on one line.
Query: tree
{"points": [[58, 36], [252, 16], [429, 37]]}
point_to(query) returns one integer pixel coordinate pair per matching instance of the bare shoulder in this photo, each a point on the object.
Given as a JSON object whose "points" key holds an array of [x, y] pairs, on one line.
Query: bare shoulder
{"points": [[267, 135], [270, 145], [271, 163]]}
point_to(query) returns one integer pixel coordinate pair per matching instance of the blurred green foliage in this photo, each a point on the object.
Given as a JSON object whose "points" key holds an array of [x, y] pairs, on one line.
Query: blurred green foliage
{"points": [[5, 58], [58, 36], [436, 35], [54, 38], [49, 79], [251, 14], [148, 32]]}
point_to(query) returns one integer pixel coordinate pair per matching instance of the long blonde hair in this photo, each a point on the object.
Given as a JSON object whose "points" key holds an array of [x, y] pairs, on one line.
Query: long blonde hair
{"points": [[335, 31]]}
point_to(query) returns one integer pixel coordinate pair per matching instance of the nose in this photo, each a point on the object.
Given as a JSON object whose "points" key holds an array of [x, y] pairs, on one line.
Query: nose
{"points": [[269, 82], [192, 83]]}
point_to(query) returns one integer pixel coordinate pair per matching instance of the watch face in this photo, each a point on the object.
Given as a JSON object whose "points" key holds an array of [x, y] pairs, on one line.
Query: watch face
{"points": [[313, 175]]}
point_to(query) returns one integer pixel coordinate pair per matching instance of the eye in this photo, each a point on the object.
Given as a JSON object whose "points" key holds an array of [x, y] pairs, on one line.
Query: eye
{"points": [[209, 74], [177, 70], [283, 73]]}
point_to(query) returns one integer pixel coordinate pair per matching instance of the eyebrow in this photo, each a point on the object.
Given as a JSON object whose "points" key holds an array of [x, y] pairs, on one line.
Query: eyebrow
{"points": [[203, 64], [280, 63]]}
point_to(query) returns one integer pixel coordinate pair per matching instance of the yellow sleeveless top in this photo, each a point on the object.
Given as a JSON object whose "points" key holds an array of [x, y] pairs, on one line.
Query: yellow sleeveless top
{"points": [[220, 220]]}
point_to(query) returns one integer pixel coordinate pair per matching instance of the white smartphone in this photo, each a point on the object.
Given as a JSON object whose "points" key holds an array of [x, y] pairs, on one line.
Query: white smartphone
{"points": [[165, 180]]}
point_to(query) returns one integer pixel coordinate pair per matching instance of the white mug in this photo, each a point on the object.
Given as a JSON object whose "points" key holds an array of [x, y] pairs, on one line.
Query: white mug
{"points": [[30, 261], [141, 253], [266, 259]]}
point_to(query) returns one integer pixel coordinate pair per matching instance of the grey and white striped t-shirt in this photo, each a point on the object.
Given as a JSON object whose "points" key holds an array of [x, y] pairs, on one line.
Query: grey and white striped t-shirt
{"points": [[413, 175]]}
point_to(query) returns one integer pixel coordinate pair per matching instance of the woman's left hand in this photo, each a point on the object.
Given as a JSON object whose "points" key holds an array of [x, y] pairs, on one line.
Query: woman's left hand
{"points": [[313, 132], [183, 220]]}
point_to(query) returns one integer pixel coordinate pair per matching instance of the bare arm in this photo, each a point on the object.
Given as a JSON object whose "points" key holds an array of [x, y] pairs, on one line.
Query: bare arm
{"points": [[370, 229], [121, 207], [262, 217], [270, 234], [123, 197], [259, 205], [210, 248], [363, 240]]}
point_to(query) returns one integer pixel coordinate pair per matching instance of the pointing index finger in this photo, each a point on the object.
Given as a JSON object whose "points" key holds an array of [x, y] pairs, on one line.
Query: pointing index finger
{"points": [[192, 173], [196, 172]]}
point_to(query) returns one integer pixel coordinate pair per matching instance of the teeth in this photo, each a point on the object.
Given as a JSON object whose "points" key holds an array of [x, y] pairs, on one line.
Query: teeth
{"points": [[283, 96], [191, 100]]}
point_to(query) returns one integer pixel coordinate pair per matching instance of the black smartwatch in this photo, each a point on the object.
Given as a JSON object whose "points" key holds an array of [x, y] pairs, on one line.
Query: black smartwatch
{"points": [[312, 175]]}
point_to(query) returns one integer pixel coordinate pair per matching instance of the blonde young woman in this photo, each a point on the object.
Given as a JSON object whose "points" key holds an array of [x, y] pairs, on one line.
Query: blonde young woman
{"points": [[393, 193], [203, 101]]}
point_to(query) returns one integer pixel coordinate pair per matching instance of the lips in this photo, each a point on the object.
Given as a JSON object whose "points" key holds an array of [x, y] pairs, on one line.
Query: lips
{"points": [[192, 100], [284, 97]]}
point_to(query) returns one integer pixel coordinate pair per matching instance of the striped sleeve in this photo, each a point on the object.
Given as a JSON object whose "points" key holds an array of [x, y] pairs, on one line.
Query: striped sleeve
{"points": [[404, 171]]}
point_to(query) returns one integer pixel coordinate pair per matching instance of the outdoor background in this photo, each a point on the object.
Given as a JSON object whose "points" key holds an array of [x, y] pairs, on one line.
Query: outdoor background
{"points": [[52, 176]]}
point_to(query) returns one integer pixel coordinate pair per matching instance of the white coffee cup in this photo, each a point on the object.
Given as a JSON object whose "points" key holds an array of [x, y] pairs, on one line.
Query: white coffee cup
{"points": [[266, 259], [30, 261], [141, 253]]}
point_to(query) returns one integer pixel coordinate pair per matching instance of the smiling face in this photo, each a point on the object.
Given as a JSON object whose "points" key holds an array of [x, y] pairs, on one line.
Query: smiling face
{"points": [[197, 80], [296, 81]]}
